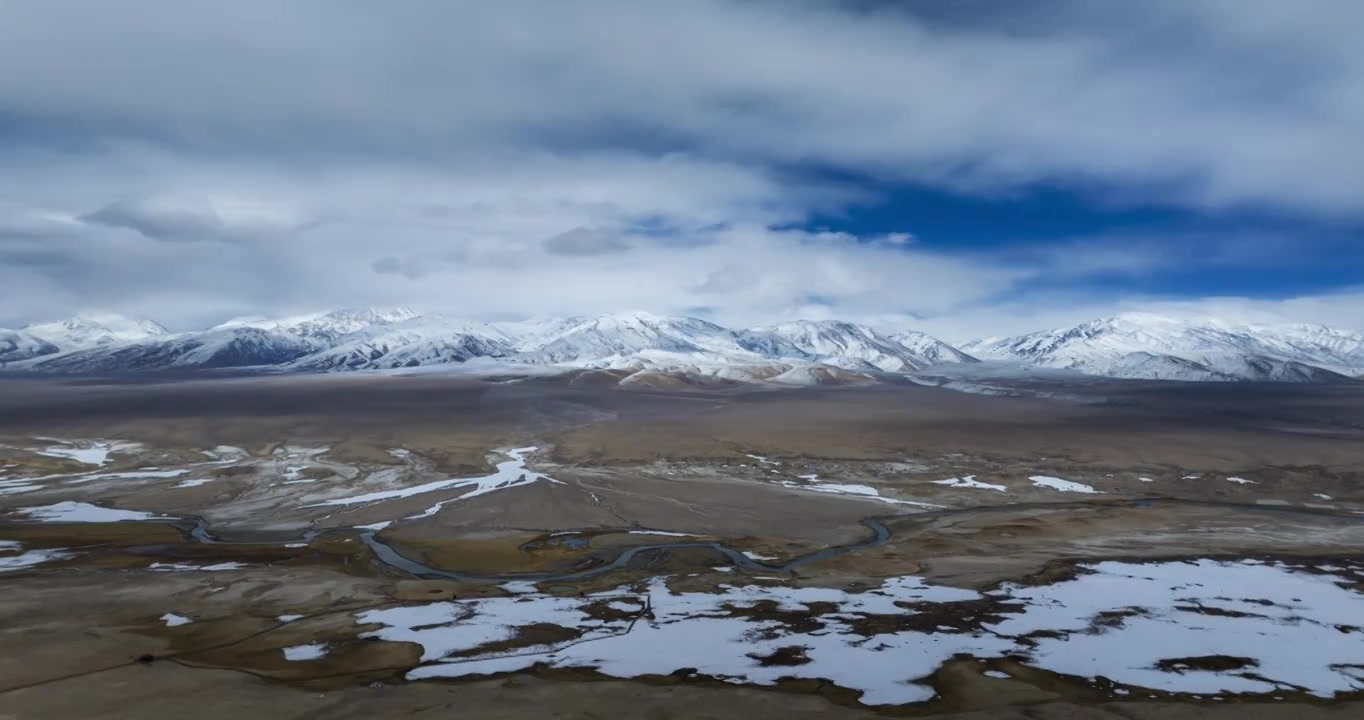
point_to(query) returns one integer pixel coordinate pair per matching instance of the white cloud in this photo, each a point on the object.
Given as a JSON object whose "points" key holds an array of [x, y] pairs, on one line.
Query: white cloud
{"points": [[1222, 101], [388, 237], [537, 157]]}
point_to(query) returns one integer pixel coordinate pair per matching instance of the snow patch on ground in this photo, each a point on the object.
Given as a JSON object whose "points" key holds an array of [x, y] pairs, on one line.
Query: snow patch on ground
{"points": [[18, 485], [299, 653], [665, 533], [1241, 481], [94, 452], [1289, 628], [970, 481], [814, 484], [143, 474], [697, 632], [289, 618], [1062, 485], [187, 567], [226, 452], [1283, 621], [511, 473], [297, 451], [173, 620], [30, 558], [72, 511]]}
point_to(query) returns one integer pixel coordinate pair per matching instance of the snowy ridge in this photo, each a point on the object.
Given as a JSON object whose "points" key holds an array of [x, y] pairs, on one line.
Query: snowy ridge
{"points": [[1148, 346], [635, 348], [639, 348], [623, 334], [930, 348], [409, 342], [88, 330], [327, 325], [21, 345], [841, 344], [221, 348]]}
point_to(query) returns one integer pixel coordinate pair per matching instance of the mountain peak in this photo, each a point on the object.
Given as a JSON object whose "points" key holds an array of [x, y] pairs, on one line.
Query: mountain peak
{"points": [[1139, 318], [837, 342], [1158, 346], [95, 328], [104, 318], [807, 324], [332, 324], [1128, 345], [632, 316], [374, 314]]}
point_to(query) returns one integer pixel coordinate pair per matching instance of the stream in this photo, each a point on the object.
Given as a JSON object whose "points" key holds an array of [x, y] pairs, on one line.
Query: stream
{"points": [[198, 531]]}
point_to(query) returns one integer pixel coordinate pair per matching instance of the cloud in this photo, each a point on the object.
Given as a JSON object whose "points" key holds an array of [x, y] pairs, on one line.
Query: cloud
{"points": [[388, 265], [192, 164], [586, 242], [487, 258], [1206, 102], [161, 219], [172, 218], [25, 223], [409, 267]]}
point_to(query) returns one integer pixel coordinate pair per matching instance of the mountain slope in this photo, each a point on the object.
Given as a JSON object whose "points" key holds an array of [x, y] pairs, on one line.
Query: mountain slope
{"points": [[530, 334], [16, 345], [929, 348], [624, 334], [327, 326], [223, 348], [650, 350], [836, 343], [88, 330], [420, 340], [1144, 345]]}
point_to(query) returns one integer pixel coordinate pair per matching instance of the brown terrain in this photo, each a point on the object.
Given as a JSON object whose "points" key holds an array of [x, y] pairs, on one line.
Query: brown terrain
{"points": [[1274, 473]]}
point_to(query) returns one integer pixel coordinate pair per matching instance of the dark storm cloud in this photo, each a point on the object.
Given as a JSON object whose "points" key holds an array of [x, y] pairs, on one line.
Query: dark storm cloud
{"points": [[586, 242], [171, 222]]}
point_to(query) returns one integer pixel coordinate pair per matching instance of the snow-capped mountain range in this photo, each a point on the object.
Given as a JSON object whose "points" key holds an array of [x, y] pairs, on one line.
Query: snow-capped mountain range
{"points": [[641, 348], [635, 347], [1150, 346]]}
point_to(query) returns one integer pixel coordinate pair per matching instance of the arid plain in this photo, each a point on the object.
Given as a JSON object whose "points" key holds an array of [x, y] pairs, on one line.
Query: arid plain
{"points": [[370, 545]]}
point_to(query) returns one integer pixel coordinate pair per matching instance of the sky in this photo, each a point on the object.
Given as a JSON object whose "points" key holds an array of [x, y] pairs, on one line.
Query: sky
{"points": [[964, 167]]}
